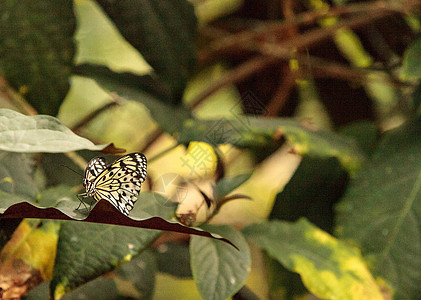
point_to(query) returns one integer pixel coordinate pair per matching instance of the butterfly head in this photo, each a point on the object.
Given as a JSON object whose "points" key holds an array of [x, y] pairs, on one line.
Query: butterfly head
{"points": [[89, 186]]}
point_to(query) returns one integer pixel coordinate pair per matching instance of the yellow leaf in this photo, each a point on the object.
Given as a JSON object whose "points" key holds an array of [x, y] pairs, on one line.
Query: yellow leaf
{"points": [[28, 258]]}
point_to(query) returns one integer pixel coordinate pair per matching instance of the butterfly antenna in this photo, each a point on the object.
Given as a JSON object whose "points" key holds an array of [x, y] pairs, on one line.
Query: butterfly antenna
{"points": [[81, 175]]}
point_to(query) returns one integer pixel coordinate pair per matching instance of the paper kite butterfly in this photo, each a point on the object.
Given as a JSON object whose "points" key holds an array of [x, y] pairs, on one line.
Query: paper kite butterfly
{"points": [[118, 183]]}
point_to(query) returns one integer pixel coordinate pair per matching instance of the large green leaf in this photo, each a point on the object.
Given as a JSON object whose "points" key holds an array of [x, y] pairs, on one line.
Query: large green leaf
{"points": [[174, 258], [317, 184], [132, 280], [365, 133], [28, 258], [59, 169], [41, 133], [16, 176], [163, 32], [16, 185], [381, 210], [86, 251], [146, 83], [328, 267], [141, 88], [219, 271], [249, 132], [36, 49]]}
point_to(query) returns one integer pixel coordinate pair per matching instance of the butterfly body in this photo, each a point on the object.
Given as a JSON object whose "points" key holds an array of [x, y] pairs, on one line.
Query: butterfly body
{"points": [[118, 183]]}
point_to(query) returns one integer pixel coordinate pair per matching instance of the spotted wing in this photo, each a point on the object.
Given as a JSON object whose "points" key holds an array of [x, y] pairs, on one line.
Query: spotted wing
{"points": [[95, 167], [121, 181]]}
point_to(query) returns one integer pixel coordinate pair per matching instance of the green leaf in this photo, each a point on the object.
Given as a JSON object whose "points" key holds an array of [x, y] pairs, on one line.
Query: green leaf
{"points": [[219, 271], [58, 168], [282, 283], [86, 251], [132, 280], [317, 184], [36, 49], [16, 177], [41, 133], [381, 210], [163, 32], [40, 292], [28, 257], [328, 267], [249, 132], [146, 83], [412, 61], [138, 88], [227, 184], [365, 133], [174, 258], [416, 97]]}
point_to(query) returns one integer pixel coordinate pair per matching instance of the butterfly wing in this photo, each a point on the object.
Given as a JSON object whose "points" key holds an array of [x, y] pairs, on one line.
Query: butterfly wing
{"points": [[120, 182], [95, 167], [133, 162]]}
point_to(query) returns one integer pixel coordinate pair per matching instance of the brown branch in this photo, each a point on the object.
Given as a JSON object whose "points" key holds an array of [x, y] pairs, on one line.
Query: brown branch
{"points": [[274, 53], [236, 75], [16, 100], [282, 94], [368, 10], [152, 139], [287, 81], [115, 100], [318, 35]]}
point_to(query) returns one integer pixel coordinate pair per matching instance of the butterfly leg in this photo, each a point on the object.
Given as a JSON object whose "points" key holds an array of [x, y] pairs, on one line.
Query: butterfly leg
{"points": [[81, 202], [90, 205]]}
